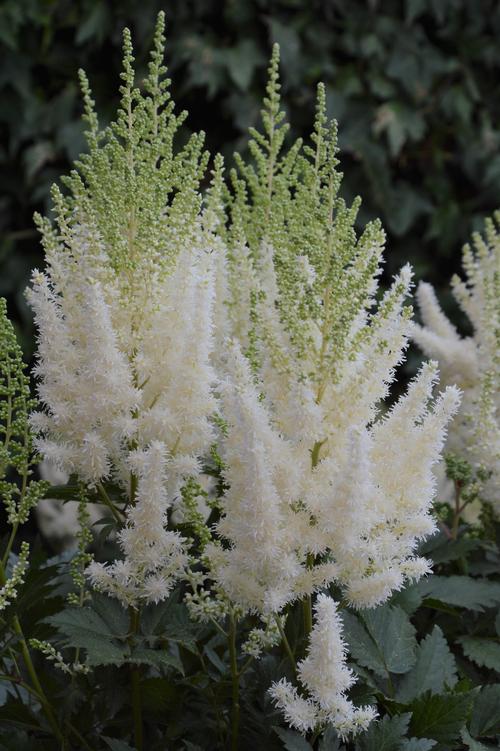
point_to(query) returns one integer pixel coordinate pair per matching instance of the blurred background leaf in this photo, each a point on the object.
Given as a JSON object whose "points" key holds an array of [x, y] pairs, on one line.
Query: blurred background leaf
{"points": [[413, 84]]}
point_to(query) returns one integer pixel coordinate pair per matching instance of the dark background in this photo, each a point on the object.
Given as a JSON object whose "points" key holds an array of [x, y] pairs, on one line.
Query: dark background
{"points": [[413, 84]]}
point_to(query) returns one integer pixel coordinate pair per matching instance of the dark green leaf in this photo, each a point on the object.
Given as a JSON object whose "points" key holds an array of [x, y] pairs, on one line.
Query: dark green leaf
{"points": [[393, 635], [417, 744], [462, 591], [292, 741], [471, 743], [157, 658], [440, 716], [83, 627], [485, 719], [117, 745], [484, 652], [434, 669], [385, 735]]}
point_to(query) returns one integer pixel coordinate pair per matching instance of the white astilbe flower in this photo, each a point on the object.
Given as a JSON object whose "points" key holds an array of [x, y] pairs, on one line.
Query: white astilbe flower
{"points": [[259, 514], [325, 487], [299, 713], [154, 557], [326, 678], [472, 362], [124, 313], [85, 381]]}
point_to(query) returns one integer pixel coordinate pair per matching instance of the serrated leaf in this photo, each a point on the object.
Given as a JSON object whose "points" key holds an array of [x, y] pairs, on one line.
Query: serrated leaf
{"points": [[485, 718], [361, 645], [156, 658], [385, 735], [84, 628], [462, 591], [215, 659], [417, 744], [384, 642], [170, 620], [292, 741], [471, 743], [440, 716], [394, 636], [434, 669], [484, 652], [330, 741]]}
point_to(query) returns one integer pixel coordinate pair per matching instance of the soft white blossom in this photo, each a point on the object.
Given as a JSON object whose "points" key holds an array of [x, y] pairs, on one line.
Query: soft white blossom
{"points": [[154, 557], [325, 676], [471, 362]]}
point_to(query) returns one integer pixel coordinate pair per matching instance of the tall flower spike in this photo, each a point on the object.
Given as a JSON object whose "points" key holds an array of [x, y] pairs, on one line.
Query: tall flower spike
{"points": [[258, 504], [322, 355], [153, 556], [473, 362], [124, 310], [326, 678]]}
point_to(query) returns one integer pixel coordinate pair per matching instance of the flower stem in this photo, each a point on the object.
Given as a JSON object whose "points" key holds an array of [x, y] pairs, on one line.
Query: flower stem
{"points": [[457, 511], [16, 624], [136, 686], [286, 644], [235, 680], [109, 503]]}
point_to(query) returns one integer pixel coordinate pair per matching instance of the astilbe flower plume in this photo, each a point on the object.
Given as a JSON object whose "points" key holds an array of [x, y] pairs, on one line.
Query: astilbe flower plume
{"points": [[325, 484], [325, 676], [161, 316], [472, 362], [124, 318]]}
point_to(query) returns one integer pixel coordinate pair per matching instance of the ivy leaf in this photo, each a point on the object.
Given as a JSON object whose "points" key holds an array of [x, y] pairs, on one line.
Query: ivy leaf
{"points": [[485, 719], [484, 652], [462, 591], [292, 741], [440, 716], [386, 642], [385, 735], [434, 669]]}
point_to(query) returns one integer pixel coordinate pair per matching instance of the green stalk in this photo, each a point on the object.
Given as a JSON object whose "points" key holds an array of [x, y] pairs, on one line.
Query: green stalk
{"points": [[286, 644], [136, 686], [32, 672], [235, 680], [109, 503]]}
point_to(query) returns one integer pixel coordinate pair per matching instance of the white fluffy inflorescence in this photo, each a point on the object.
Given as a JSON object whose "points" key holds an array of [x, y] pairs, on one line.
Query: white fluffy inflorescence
{"points": [[324, 483], [472, 362], [124, 315], [326, 677], [153, 556]]}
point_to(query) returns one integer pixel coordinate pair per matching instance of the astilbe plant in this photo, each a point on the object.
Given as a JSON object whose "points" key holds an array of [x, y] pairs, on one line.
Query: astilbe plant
{"points": [[213, 371], [472, 361]]}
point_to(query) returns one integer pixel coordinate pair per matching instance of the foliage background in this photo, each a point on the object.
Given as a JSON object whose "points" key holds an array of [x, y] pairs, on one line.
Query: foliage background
{"points": [[412, 83]]}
